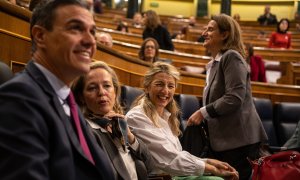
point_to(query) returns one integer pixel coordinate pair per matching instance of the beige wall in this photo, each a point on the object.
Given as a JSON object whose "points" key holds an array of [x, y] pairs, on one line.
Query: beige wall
{"points": [[172, 7], [248, 9]]}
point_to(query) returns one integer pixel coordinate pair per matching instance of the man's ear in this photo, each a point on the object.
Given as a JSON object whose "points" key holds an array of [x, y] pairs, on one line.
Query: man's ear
{"points": [[38, 35]]}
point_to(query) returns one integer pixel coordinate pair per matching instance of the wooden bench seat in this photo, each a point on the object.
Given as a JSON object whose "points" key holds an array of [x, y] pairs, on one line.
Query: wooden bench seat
{"points": [[178, 59], [131, 70]]}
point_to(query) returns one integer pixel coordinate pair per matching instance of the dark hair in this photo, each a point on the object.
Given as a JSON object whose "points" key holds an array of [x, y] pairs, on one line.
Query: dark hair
{"points": [[143, 47], [249, 49], [33, 4], [44, 14], [278, 25], [122, 25]]}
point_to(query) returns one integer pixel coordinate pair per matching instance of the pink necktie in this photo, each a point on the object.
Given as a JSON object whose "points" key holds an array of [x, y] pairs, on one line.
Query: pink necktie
{"points": [[75, 117]]}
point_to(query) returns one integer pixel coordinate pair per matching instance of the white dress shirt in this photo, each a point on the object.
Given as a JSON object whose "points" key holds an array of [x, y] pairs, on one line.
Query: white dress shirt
{"points": [[208, 68], [163, 145], [61, 89]]}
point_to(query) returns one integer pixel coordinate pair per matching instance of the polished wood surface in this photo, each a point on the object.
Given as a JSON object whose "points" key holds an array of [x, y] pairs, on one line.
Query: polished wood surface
{"points": [[131, 70]]}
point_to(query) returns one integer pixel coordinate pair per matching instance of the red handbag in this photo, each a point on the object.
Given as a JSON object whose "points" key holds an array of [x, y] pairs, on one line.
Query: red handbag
{"points": [[283, 165]]}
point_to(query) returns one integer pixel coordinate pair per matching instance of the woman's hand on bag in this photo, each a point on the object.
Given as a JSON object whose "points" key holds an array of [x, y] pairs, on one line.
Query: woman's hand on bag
{"points": [[221, 169], [195, 118]]}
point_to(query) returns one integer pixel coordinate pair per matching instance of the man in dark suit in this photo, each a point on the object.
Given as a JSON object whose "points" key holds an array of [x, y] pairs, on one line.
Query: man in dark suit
{"points": [[267, 18], [38, 136]]}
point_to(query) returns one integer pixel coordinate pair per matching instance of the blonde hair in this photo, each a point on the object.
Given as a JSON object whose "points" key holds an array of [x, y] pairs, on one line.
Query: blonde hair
{"points": [[79, 83], [149, 107]]}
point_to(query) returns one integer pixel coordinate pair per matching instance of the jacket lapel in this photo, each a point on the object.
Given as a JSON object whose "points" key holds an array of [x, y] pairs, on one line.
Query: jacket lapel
{"points": [[113, 154], [39, 77]]}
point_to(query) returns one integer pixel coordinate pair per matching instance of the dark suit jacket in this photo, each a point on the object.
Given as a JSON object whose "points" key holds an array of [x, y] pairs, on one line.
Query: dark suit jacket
{"points": [[264, 20], [142, 157], [161, 35], [37, 140], [235, 122]]}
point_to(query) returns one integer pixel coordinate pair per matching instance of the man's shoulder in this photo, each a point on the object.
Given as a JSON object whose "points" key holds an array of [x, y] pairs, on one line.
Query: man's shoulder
{"points": [[22, 86], [272, 15]]}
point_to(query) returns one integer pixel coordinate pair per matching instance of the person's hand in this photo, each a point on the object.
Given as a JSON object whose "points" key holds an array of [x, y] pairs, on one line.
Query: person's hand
{"points": [[109, 116], [112, 114], [221, 169], [195, 118], [131, 137]]}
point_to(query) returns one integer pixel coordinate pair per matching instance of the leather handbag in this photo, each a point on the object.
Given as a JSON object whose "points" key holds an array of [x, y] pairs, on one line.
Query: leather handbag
{"points": [[283, 165], [195, 140]]}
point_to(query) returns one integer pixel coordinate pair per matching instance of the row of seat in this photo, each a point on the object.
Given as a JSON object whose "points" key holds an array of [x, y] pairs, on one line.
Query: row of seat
{"points": [[279, 120]]}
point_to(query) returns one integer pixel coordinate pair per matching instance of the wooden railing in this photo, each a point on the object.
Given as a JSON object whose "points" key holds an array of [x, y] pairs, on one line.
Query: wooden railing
{"points": [[178, 59], [14, 18], [131, 70], [183, 46]]}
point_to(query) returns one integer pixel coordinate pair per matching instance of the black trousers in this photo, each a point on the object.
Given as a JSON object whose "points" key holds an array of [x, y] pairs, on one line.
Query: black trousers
{"points": [[237, 158]]}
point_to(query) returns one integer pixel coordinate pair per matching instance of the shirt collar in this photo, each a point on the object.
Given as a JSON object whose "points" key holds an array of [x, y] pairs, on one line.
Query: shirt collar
{"points": [[166, 114], [95, 125], [60, 88], [218, 58]]}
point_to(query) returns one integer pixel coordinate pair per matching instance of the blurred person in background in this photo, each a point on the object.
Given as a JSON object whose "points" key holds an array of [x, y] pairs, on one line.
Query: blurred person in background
{"points": [[149, 50], [154, 29], [281, 38]]}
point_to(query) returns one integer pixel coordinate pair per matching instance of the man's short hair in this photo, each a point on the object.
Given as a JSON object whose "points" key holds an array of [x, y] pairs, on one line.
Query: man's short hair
{"points": [[44, 14]]}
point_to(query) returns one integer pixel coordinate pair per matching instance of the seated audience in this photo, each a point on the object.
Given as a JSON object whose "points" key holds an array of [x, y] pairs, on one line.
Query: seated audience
{"points": [[97, 93], [154, 120], [181, 35], [137, 20], [42, 133], [257, 66], [122, 26], [281, 38], [267, 18], [98, 6], [237, 17], [183, 31], [104, 38], [261, 34], [149, 50], [154, 29]]}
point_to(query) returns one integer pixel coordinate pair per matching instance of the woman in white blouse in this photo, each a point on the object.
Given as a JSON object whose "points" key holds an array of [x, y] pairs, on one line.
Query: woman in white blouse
{"points": [[154, 120]]}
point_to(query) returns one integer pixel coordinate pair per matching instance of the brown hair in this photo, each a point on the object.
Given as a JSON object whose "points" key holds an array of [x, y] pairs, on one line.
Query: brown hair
{"points": [[143, 47], [152, 20], [234, 40]]}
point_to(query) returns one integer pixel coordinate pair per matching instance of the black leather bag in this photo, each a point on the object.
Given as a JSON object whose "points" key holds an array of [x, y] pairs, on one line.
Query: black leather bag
{"points": [[195, 141]]}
